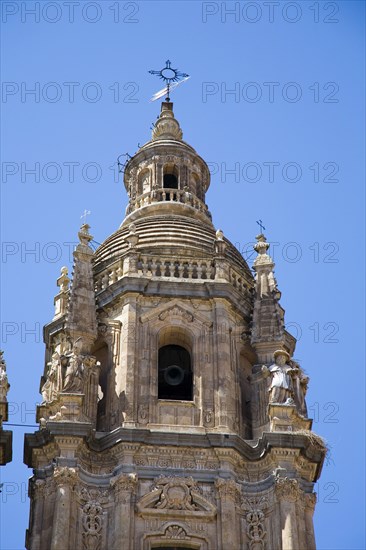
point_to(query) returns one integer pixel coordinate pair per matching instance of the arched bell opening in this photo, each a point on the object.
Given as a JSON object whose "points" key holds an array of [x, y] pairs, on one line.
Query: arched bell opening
{"points": [[175, 376], [170, 179]]}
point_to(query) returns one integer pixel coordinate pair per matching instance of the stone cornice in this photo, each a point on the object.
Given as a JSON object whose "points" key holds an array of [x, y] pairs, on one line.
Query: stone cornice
{"points": [[270, 441], [167, 288]]}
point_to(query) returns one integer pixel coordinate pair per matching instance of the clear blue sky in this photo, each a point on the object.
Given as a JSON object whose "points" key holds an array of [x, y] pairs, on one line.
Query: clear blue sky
{"points": [[292, 131]]}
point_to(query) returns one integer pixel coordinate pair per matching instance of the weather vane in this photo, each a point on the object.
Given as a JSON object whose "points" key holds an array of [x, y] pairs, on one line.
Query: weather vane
{"points": [[172, 78]]}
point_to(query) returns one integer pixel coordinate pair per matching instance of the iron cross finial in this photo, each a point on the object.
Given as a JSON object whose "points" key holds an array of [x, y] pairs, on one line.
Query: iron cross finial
{"points": [[84, 215], [169, 75], [260, 223]]}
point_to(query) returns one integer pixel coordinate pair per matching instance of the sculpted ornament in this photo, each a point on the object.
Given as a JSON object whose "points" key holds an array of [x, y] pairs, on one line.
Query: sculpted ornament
{"points": [[175, 532], [288, 382], [77, 366], [176, 494], [65, 476], [124, 482], [300, 385], [255, 530], [281, 388], [176, 311], [208, 417], [143, 414], [92, 525], [228, 488], [52, 386], [287, 489], [4, 384]]}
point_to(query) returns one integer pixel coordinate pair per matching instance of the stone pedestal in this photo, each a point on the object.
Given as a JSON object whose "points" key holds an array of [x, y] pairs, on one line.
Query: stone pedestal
{"points": [[285, 418]]}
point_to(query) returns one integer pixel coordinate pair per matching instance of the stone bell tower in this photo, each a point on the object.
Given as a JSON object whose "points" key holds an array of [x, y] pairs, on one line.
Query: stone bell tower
{"points": [[173, 414]]}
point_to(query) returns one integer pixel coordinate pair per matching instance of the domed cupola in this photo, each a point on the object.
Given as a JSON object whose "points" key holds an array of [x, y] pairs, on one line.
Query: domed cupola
{"points": [[166, 176]]}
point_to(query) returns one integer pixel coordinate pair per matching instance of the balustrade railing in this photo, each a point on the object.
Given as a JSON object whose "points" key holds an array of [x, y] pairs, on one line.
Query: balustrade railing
{"points": [[170, 195], [112, 274], [181, 269]]}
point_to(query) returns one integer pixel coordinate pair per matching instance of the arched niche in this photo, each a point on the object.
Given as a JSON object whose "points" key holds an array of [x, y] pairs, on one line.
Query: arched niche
{"points": [[144, 181]]}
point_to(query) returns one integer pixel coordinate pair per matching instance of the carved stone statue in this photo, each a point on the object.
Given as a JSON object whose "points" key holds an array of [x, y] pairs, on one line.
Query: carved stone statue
{"points": [[52, 385], [4, 384], [74, 375], [281, 388], [300, 385]]}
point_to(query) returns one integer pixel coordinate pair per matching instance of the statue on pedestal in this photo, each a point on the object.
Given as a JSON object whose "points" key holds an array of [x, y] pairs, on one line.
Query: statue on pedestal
{"points": [[52, 386], [74, 375], [281, 388]]}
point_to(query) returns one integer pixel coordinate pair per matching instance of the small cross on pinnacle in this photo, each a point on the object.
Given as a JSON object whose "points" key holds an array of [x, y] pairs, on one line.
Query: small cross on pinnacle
{"points": [[260, 223], [84, 215]]}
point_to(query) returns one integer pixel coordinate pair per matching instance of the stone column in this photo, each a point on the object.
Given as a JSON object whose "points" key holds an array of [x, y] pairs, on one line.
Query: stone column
{"points": [[310, 501], [65, 479], [37, 489], [229, 492], [224, 376], [288, 492], [126, 373], [124, 486]]}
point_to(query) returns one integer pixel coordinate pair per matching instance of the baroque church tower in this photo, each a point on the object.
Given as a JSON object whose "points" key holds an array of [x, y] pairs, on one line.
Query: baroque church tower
{"points": [[173, 414]]}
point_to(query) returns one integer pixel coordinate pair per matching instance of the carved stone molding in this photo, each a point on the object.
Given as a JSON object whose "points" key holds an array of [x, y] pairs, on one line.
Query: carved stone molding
{"points": [[175, 532], [176, 495], [92, 525], [124, 483], [176, 311], [255, 530], [228, 488], [64, 475], [287, 489], [87, 494]]}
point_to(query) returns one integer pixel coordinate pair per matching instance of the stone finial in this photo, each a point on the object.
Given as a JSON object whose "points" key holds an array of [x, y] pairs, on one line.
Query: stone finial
{"points": [[61, 298], [4, 384], [268, 329], [219, 235], [81, 318], [263, 265], [132, 237], [167, 127], [63, 281], [84, 236], [261, 248]]}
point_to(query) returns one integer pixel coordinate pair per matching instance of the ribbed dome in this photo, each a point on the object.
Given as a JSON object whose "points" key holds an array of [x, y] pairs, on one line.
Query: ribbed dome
{"points": [[168, 235]]}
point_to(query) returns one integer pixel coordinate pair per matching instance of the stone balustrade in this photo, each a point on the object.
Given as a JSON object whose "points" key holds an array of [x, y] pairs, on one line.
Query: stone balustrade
{"points": [[165, 194], [112, 274], [237, 281], [182, 268]]}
